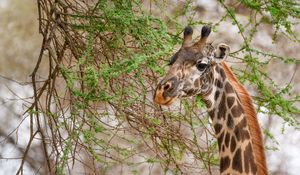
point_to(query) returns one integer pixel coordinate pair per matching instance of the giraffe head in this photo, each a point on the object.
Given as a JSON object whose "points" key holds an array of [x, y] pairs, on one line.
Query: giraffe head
{"points": [[191, 68]]}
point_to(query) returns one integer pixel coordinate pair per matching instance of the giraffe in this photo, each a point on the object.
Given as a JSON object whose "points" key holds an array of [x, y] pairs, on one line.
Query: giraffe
{"points": [[199, 69]]}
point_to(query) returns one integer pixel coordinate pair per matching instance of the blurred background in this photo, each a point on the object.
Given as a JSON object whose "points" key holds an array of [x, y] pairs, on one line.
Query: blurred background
{"points": [[20, 45]]}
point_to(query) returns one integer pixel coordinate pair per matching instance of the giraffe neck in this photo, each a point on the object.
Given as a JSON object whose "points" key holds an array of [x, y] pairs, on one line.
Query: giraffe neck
{"points": [[231, 128]]}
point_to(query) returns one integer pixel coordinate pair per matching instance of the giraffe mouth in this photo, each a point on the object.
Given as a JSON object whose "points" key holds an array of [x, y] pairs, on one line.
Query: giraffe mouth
{"points": [[165, 102], [170, 101], [162, 101]]}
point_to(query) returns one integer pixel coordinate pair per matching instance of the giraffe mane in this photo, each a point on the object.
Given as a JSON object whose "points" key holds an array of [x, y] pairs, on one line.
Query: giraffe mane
{"points": [[250, 112]]}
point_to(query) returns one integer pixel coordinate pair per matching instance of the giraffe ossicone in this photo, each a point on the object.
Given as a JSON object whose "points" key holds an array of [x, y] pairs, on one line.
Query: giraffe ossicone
{"points": [[199, 69]]}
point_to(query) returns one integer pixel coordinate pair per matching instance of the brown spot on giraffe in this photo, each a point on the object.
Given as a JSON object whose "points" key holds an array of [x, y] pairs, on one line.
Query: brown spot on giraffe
{"points": [[218, 128], [237, 111], [241, 132], [217, 95], [211, 112], [197, 82], [230, 122], [227, 139], [249, 160], [225, 163], [232, 144], [218, 69], [228, 88], [237, 163], [230, 101], [208, 103], [222, 108], [222, 73], [219, 84], [220, 140], [208, 76]]}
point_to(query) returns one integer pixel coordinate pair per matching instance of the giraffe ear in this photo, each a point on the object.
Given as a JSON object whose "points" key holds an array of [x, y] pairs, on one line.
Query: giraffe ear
{"points": [[221, 52]]}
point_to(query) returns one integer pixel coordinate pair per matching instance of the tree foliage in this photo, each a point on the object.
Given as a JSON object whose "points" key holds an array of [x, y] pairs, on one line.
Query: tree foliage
{"points": [[94, 109]]}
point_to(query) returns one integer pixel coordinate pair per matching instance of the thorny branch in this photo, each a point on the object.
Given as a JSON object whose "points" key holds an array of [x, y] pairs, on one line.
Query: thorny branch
{"points": [[94, 109]]}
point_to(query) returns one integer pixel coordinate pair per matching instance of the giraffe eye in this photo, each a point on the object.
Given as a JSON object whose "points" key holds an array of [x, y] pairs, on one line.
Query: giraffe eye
{"points": [[201, 66]]}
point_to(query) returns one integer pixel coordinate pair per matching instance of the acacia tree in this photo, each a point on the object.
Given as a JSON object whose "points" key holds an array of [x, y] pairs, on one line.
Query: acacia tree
{"points": [[93, 112]]}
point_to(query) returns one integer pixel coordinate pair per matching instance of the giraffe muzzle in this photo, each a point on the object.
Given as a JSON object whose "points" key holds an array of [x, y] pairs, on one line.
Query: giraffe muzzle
{"points": [[166, 92]]}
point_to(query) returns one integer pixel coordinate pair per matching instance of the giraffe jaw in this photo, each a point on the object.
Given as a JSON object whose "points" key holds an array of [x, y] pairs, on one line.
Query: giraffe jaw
{"points": [[168, 102]]}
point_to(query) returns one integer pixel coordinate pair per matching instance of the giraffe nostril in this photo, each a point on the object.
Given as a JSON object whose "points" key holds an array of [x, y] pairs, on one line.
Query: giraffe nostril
{"points": [[167, 87]]}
